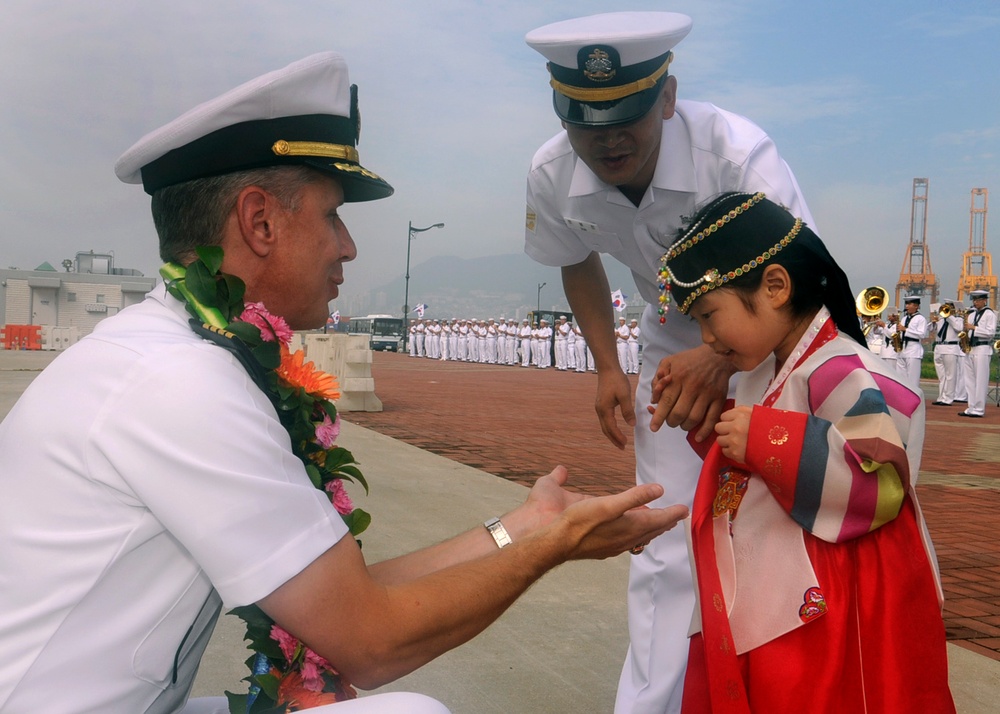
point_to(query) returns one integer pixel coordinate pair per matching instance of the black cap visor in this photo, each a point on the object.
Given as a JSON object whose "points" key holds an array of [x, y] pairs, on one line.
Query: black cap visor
{"points": [[621, 111]]}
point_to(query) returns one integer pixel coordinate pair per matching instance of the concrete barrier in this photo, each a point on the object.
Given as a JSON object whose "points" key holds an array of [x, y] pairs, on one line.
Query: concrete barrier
{"points": [[349, 359]]}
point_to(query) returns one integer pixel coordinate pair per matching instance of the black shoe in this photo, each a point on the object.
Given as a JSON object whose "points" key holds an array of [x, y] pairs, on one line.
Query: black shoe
{"points": [[941, 404], [961, 401]]}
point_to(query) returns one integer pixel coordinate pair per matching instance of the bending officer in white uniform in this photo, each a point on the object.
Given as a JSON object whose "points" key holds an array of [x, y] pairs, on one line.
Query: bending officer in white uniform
{"points": [[632, 162]]}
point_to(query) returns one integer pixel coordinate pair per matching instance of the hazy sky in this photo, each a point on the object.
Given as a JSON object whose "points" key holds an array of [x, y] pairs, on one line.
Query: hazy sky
{"points": [[860, 96]]}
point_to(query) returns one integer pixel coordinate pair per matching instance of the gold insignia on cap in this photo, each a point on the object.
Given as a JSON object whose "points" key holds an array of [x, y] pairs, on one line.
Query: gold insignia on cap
{"points": [[358, 170], [609, 94], [598, 67], [314, 148]]}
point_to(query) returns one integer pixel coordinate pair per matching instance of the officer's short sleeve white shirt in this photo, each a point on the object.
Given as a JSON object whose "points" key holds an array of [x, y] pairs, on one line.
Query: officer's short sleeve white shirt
{"points": [[704, 151], [165, 477]]}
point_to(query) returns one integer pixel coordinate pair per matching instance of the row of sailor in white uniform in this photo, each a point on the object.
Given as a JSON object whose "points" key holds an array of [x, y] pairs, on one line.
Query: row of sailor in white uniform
{"points": [[508, 343]]}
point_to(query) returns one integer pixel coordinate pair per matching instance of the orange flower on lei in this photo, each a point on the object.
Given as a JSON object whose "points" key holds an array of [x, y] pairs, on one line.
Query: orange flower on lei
{"points": [[295, 372]]}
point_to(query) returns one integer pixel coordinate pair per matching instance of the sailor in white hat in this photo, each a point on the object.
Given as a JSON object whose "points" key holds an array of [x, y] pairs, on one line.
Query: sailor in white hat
{"points": [[914, 328], [946, 324], [632, 162], [981, 326]]}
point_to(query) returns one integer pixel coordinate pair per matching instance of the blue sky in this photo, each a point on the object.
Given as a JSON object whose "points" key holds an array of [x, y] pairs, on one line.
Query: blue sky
{"points": [[861, 98]]}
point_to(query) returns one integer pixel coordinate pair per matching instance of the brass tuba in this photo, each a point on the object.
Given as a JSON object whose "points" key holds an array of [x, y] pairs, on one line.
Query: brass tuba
{"points": [[872, 301]]}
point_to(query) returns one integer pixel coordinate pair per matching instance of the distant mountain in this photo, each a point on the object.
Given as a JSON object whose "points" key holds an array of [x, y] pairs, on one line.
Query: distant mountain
{"points": [[495, 286]]}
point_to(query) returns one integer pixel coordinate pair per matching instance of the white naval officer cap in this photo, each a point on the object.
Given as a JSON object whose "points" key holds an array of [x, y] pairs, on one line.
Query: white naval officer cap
{"points": [[977, 294], [911, 298], [608, 69], [304, 114]]}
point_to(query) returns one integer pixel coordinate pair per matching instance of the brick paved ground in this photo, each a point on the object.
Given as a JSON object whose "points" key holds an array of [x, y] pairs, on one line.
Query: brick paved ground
{"points": [[519, 423]]}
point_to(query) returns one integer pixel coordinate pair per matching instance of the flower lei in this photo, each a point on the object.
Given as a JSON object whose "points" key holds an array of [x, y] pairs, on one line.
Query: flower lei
{"points": [[285, 675]]}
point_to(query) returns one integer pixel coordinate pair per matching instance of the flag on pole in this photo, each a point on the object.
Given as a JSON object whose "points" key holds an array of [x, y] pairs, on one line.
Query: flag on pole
{"points": [[419, 309], [618, 300], [335, 317]]}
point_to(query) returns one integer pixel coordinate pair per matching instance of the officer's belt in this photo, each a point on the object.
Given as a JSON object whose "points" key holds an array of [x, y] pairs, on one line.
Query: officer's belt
{"points": [[979, 342], [950, 342], [910, 339]]}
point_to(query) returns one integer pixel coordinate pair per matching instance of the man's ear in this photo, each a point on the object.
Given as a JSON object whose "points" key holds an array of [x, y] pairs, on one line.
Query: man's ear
{"points": [[669, 96], [777, 284], [255, 209]]}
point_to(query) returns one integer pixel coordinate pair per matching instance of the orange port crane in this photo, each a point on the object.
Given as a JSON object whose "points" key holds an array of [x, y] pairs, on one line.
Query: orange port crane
{"points": [[916, 277], [977, 265]]}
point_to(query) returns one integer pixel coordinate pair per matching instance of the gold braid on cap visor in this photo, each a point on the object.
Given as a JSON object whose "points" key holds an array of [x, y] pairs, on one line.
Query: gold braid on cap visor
{"points": [[712, 278], [610, 94], [315, 148]]}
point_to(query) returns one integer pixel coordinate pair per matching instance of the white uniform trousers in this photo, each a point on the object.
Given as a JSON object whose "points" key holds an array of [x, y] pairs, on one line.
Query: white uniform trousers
{"points": [[395, 702], [961, 385], [910, 367], [560, 353], [946, 359], [581, 355], [525, 352], [661, 592], [622, 355], [544, 354], [977, 378], [633, 357]]}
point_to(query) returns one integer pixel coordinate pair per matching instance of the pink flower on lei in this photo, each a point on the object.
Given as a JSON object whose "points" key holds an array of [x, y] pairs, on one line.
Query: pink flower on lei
{"points": [[328, 431], [271, 326], [312, 665], [312, 669], [338, 496], [286, 641]]}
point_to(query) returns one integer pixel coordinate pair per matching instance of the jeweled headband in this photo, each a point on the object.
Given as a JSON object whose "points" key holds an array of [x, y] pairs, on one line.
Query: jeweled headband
{"points": [[694, 265]]}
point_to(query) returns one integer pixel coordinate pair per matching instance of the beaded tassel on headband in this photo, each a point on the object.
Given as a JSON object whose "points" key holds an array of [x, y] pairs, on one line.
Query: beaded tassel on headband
{"points": [[712, 278]]}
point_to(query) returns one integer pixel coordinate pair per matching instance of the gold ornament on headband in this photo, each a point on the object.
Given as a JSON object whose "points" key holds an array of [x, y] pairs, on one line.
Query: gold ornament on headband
{"points": [[712, 278]]}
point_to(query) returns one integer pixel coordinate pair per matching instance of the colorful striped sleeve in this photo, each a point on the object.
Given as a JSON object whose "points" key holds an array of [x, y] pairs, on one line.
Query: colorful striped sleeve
{"points": [[841, 471]]}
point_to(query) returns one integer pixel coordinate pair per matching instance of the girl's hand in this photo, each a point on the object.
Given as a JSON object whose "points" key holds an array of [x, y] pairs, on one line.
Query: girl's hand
{"points": [[733, 429]]}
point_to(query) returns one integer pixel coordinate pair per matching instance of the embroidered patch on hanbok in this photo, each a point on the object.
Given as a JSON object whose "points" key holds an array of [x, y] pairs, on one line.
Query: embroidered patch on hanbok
{"points": [[814, 605]]}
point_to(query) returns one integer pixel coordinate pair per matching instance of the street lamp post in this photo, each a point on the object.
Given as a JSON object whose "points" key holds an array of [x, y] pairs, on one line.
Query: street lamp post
{"points": [[538, 307], [406, 293]]}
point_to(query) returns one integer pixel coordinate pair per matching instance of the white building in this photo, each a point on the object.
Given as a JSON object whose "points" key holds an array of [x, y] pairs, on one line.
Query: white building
{"points": [[79, 299]]}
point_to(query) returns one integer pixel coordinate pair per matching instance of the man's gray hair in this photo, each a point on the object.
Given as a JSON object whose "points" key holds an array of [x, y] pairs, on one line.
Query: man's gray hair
{"points": [[194, 213]]}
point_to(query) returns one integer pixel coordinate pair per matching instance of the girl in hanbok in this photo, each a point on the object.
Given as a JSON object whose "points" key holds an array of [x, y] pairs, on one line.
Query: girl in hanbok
{"points": [[817, 582]]}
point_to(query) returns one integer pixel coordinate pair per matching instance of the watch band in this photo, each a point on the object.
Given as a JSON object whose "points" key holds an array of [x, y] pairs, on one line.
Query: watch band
{"points": [[499, 533]]}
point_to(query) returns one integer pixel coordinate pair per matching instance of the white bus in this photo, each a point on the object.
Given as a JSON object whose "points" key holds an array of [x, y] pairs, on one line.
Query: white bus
{"points": [[385, 332]]}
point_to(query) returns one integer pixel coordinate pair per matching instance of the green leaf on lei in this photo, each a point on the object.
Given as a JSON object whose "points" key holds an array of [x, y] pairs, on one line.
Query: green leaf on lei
{"points": [[211, 256], [268, 354], [201, 283], [357, 520]]}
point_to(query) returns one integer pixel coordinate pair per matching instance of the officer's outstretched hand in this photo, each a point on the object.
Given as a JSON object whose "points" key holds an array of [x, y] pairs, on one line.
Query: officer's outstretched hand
{"points": [[588, 527], [614, 391]]}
